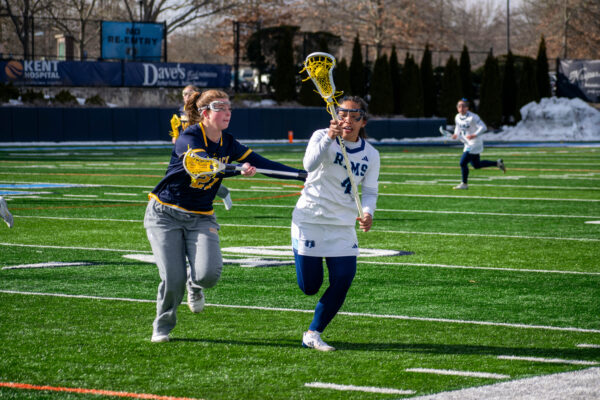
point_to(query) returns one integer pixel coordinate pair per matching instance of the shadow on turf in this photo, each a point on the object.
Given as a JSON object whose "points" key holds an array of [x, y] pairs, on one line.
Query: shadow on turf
{"points": [[580, 354]]}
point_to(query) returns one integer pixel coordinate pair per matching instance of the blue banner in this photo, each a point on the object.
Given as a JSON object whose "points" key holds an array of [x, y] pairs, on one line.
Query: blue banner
{"points": [[60, 73], [141, 41], [177, 74], [133, 74], [579, 78]]}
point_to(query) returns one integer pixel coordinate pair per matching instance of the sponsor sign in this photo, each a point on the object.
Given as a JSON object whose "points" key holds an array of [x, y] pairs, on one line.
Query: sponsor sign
{"points": [[177, 74], [60, 73], [132, 40], [579, 78], [133, 74]]}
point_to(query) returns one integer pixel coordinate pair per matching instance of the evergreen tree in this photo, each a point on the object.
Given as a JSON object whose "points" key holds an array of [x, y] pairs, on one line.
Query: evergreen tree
{"points": [[527, 90], [509, 90], [341, 76], [382, 96], [412, 89], [429, 98], [542, 77], [395, 79], [358, 85], [284, 81], [490, 106], [466, 76], [451, 90]]}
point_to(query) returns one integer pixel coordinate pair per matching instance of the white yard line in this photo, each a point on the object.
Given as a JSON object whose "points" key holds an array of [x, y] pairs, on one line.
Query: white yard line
{"points": [[353, 388], [447, 196], [588, 346], [540, 271], [42, 246], [578, 385], [54, 264], [451, 372], [547, 360], [350, 314]]}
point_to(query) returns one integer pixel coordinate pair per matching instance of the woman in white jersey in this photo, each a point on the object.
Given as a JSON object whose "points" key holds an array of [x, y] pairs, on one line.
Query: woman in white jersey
{"points": [[467, 128], [324, 220]]}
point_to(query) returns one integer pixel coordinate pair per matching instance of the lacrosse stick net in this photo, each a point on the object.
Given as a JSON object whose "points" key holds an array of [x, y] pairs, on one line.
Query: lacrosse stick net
{"points": [[319, 67]]}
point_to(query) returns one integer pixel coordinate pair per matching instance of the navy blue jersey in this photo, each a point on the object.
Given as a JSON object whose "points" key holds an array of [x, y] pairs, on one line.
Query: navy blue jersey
{"points": [[178, 190]]}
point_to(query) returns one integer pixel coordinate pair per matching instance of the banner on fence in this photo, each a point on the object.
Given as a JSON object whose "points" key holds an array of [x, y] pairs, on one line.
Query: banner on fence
{"points": [[131, 74], [177, 74], [140, 41], [579, 78], [60, 73]]}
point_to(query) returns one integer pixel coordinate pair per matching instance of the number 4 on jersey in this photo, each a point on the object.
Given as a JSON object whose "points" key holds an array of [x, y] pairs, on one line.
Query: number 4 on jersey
{"points": [[346, 183]]}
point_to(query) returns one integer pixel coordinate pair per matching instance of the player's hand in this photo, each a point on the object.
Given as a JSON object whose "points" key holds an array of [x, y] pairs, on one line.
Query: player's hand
{"points": [[365, 222], [454, 136], [248, 170], [471, 137], [335, 129]]}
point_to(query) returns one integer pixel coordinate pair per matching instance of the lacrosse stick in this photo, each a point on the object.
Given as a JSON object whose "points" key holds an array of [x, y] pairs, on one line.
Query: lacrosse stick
{"points": [[447, 134], [197, 166], [319, 67]]}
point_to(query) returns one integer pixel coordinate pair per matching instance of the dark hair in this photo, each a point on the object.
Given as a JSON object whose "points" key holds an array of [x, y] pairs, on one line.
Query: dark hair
{"points": [[363, 106], [464, 100]]}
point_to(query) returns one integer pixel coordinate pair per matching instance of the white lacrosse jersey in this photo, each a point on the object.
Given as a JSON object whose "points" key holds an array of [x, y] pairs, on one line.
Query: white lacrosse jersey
{"points": [[469, 124], [326, 211]]}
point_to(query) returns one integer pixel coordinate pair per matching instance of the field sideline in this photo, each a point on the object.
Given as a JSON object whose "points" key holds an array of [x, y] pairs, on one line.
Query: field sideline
{"points": [[493, 291]]}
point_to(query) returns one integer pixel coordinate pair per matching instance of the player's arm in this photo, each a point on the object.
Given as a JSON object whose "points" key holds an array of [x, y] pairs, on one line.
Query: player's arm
{"points": [[370, 193], [258, 161], [480, 126], [316, 151], [456, 128]]}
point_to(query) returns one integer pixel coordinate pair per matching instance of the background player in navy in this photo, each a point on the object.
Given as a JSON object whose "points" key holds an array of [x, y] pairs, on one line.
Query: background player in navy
{"points": [[180, 221], [468, 128], [323, 222]]}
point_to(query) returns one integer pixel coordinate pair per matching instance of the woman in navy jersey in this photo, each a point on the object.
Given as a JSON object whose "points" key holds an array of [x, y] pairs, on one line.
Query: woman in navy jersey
{"points": [[180, 221]]}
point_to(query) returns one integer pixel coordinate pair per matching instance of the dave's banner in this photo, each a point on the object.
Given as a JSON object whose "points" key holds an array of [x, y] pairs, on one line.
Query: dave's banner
{"points": [[177, 74], [60, 73], [579, 78], [141, 41]]}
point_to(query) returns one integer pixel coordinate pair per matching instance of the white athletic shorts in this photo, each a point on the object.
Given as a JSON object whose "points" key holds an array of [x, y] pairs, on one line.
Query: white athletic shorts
{"points": [[324, 240]]}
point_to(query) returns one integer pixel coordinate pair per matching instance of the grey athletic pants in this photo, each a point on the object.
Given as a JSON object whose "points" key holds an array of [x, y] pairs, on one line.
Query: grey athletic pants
{"points": [[174, 236]]}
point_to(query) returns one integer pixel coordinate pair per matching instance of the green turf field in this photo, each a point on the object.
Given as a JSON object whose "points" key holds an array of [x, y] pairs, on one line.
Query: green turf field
{"points": [[503, 282]]}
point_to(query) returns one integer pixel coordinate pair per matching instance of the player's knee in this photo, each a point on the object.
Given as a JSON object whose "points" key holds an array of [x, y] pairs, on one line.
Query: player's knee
{"points": [[310, 288]]}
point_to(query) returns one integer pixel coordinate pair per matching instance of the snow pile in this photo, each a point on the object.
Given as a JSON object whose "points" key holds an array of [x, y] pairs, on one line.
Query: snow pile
{"points": [[553, 119]]}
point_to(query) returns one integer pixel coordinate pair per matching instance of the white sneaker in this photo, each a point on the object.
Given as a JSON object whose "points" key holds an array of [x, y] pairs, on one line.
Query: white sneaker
{"points": [[158, 338], [227, 202], [313, 340], [195, 300], [461, 186], [500, 164], [5, 214]]}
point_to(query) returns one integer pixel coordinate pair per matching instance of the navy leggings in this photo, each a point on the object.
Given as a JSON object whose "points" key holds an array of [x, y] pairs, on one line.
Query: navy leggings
{"points": [[309, 271], [475, 162]]}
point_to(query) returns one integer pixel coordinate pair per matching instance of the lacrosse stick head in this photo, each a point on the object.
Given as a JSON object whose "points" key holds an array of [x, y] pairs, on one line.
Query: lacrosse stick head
{"points": [[197, 166], [319, 67]]}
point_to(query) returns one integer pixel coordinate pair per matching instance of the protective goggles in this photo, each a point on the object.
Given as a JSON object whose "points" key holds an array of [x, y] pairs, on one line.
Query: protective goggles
{"points": [[355, 114], [217, 105]]}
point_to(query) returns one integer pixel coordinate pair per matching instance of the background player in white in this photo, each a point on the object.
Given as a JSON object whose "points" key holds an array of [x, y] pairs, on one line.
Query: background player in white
{"points": [[323, 222], [467, 128], [4, 213]]}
